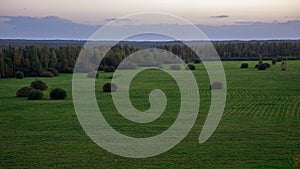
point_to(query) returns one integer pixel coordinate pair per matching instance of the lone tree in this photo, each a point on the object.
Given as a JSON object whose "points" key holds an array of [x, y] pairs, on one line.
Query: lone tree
{"points": [[283, 66]]}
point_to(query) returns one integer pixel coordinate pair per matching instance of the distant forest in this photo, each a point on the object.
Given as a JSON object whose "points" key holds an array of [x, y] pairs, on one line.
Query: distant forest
{"points": [[35, 58]]}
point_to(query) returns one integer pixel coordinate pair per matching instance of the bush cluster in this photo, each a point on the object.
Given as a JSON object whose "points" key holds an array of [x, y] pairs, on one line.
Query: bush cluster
{"points": [[34, 92]]}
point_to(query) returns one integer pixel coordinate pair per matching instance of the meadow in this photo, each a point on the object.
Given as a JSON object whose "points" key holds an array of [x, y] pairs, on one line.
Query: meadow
{"points": [[260, 127]]}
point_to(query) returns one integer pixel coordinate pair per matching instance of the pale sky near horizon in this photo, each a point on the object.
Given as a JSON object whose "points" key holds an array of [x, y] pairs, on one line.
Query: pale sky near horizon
{"points": [[196, 11]]}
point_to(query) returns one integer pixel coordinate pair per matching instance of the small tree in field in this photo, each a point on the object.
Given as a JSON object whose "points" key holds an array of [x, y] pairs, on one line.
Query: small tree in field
{"points": [[283, 66]]}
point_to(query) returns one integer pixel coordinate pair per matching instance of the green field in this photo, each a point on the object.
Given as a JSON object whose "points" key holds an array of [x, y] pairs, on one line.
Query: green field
{"points": [[260, 127]]}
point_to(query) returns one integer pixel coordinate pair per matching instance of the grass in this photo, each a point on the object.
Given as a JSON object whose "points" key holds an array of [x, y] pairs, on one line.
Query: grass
{"points": [[260, 127]]}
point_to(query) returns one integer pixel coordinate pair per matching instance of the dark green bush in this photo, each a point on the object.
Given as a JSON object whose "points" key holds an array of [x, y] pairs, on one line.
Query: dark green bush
{"points": [[267, 65], [67, 70], [216, 85], [197, 61], [23, 92], [244, 65], [261, 67], [100, 68], [175, 67], [58, 94], [92, 75], [190, 67], [108, 69], [274, 61], [46, 74], [109, 87], [53, 71], [38, 84], [35, 94], [19, 75]]}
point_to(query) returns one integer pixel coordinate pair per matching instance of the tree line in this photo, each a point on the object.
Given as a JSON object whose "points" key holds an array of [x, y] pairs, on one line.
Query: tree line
{"points": [[32, 60]]}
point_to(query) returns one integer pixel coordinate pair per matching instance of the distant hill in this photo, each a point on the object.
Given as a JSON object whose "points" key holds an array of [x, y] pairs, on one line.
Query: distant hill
{"points": [[53, 27]]}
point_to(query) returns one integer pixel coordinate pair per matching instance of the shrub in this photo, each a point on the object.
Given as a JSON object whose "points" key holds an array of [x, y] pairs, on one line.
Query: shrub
{"points": [[19, 75], [108, 69], [46, 74], [267, 65], [112, 77], [175, 67], [38, 84], [261, 67], [283, 66], [100, 68], [92, 75], [274, 61], [190, 67], [216, 85], [23, 92], [197, 61], [109, 87], [53, 71], [244, 65], [68, 70], [58, 94], [35, 94]]}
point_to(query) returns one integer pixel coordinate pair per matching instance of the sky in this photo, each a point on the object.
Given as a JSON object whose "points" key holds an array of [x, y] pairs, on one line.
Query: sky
{"points": [[209, 12]]}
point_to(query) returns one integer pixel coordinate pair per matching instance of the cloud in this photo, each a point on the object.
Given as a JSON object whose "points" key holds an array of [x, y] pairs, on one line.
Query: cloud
{"points": [[248, 23], [220, 16], [117, 20]]}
